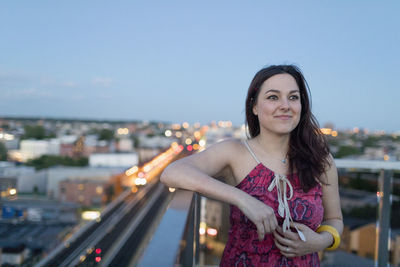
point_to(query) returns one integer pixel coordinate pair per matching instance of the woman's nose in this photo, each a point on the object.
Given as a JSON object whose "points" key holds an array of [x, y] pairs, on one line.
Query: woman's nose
{"points": [[284, 104]]}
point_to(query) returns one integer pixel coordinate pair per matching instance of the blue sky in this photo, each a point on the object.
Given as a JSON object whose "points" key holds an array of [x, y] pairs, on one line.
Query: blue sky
{"points": [[193, 60]]}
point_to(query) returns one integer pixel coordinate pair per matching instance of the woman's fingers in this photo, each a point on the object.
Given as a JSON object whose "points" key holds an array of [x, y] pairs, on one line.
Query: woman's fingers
{"points": [[284, 246], [262, 215], [267, 226], [263, 228], [273, 222], [281, 240], [289, 242], [300, 226], [285, 250], [280, 246], [288, 233], [260, 231]]}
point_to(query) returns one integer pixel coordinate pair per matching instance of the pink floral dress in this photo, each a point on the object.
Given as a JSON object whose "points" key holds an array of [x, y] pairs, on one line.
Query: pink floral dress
{"points": [[244, 248]]}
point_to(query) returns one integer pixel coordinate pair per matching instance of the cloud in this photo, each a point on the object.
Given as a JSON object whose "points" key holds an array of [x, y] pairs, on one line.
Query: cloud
{"points": [[49, 82], [18, 86], [102, 81], [69, 84], [26, 93], [46, 81], [15, 86], [12, 79]]}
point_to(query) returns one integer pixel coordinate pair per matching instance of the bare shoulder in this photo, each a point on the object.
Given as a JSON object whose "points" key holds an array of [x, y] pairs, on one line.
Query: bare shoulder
{"points": [[330, 176], [217, 157], [331, 170], [228, 146], [227, 150]]}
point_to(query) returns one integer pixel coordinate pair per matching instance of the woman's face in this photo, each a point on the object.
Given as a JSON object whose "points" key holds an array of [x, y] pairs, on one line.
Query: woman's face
{"points": [[278, 105]]}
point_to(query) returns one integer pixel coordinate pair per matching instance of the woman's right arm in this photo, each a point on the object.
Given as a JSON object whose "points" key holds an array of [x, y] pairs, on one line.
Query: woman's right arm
{"points": [[196, 173]]}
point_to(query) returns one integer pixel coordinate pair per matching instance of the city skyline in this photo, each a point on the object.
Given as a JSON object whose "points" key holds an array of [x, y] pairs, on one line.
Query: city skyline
{"points": [[193, 62]]}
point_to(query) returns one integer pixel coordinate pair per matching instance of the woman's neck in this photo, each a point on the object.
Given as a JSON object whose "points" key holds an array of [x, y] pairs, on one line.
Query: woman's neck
{"points": [[275, 145]]}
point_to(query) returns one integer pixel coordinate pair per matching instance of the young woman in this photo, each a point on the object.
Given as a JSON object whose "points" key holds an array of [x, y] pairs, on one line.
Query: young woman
{"points": [[282, 183]]}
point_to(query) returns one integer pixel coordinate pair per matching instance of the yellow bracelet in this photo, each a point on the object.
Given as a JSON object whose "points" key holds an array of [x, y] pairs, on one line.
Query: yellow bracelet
{"points": [[332, 230]]}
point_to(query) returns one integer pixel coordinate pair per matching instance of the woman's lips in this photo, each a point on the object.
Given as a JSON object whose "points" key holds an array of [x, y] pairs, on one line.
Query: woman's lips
{"points": [[283, 117]]}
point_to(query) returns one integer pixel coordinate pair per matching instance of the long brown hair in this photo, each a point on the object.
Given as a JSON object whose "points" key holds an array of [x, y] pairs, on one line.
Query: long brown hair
{"points": [[308, 150]]}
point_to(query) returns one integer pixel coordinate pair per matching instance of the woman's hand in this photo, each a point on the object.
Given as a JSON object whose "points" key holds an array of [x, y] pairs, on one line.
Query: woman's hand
{"points": [[290, 244], [262, 215]]}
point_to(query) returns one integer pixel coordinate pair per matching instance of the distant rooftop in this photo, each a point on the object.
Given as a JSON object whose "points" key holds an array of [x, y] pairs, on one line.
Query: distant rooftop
{"points": [[368, 164], [343, 259]]}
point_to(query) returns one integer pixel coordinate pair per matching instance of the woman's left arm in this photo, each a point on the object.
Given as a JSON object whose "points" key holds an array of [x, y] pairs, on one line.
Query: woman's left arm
{"points": [[331, 202], [289, 242]]}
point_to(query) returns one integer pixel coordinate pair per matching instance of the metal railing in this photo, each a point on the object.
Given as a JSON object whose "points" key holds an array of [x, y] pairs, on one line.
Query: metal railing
{"points": [[385, 183], [176, 241]]}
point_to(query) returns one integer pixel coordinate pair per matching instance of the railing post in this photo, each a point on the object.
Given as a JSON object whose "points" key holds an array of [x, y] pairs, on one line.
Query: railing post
{"points": [[196, 225], [191, 255], [383, 223]]}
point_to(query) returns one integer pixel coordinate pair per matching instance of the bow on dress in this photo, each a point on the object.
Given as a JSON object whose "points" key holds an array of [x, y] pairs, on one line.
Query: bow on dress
{"points": [[283, 208]]}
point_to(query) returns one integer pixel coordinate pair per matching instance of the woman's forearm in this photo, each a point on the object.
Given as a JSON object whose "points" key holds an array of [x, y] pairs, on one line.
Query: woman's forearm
{"points": [[184, 175], [327, 237]]}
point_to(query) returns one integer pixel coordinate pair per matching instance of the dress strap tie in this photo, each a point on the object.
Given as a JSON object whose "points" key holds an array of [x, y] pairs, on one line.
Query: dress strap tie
{"points": [[283, 208], [251, 152]]}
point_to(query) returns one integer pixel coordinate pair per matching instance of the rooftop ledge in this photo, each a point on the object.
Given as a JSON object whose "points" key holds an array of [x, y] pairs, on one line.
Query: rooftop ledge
{"points": [[367, 164]]}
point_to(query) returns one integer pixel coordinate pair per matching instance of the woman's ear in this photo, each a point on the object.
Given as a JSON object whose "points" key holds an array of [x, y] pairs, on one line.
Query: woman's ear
{"points": [[255, 111]]}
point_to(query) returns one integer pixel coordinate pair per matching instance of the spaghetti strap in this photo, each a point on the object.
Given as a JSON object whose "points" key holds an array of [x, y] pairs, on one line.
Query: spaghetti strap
{"points": [[251, 152]]}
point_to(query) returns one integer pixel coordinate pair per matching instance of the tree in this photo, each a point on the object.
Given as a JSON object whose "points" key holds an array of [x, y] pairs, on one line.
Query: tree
{"points": [[106, 134], [34, 132], [371, 141], [345, 151], [135, 140], [47, 161], [5, 126], [35, 189], [3, 152]]}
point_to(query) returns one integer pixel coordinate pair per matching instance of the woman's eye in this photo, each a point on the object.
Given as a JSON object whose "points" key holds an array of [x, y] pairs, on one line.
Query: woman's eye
{"points": [[272, 97], [294, 97]]}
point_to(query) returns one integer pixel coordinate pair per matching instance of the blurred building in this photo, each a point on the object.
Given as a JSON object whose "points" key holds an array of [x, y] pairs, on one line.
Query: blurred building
{"points": [[30, 149], [124, 145], [213, 213], [395, 243], [373, 153], [55, 175], [9, 140], [30, 226], [352, 198], [36, 210], [362, 242], [87, 192], [103, 146], [28, 179], [7, 184], [124, 160], [216, 215], [147, 153], [90, 145], [14, 255], [154, 141], [67, 145]]}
